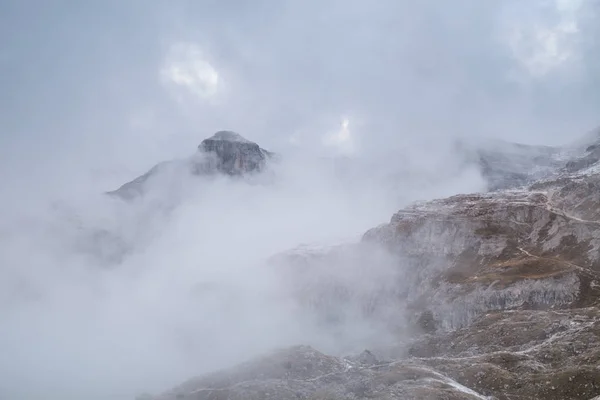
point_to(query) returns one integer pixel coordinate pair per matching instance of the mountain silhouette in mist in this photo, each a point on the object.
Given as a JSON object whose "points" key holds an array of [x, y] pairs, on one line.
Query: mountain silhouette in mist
{"points": [[225, 152]]}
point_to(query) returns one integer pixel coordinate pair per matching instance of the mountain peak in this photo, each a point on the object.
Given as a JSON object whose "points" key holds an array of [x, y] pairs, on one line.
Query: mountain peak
{"points": [[229, 136], [225, 152], [234, 154]]}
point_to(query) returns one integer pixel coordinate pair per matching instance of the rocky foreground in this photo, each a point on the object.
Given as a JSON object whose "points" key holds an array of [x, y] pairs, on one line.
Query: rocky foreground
{"points": [[498, 297]]}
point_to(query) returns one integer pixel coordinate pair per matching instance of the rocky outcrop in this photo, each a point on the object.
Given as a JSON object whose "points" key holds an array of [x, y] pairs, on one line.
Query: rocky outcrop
{"points": [[304, 373], [587, 160], [536, 354], [225, 152], [527, 249], [233, 154], [452, 260]]}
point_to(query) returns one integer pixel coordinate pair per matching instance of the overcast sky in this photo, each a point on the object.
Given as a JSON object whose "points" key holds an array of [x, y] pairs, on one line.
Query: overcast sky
{"points": [[123, 84]]}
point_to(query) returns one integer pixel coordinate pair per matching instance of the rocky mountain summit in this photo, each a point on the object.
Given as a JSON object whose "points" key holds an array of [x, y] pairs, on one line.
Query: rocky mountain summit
{"points": [[233, 154], [490, 296], [225, 152]]}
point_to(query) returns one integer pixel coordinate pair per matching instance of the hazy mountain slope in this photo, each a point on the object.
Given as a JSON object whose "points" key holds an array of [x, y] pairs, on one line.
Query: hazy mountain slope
{"points": [[501, 292], [507, 165]]}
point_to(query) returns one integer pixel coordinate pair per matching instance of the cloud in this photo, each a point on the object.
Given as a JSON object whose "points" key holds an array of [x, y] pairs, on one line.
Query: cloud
{"points": [[342, 140], [186, 67], [175, 284], [543, 46]]}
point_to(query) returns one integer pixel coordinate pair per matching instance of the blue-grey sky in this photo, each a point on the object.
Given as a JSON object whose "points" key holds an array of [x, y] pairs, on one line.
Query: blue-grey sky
{"points": [[116, 84]]}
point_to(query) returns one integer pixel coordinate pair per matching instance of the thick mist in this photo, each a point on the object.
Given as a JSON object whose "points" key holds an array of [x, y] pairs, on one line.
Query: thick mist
{"points": [[105, 299]]}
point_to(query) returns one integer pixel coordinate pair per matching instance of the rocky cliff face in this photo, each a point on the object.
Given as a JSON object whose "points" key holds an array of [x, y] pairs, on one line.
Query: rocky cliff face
{"points": [[225, 152], [505, 250], [493, 295]]}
